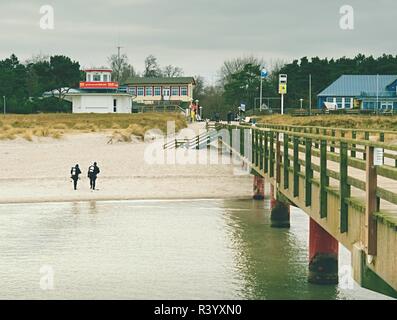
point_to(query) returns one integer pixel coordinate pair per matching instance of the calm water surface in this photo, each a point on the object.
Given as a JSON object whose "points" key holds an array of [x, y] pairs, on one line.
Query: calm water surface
{"points": [[204, 249]]}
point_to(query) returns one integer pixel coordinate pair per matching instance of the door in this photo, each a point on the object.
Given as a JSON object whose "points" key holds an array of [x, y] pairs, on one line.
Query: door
{"points": [[166, 93]]}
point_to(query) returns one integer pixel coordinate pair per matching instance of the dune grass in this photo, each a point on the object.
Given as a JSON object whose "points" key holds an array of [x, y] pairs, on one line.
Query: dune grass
{"points": [[335, 121], [123, 126], [369, 122]]}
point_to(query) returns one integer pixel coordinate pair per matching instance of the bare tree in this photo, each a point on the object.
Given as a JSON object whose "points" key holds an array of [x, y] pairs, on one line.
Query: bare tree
{"points": [[198, 91], [171, 71], [152, 68], [122, 70], [232, 66]]}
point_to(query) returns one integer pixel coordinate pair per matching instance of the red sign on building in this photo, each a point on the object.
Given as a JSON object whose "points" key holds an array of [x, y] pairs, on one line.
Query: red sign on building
{"points": [[98, 85]]}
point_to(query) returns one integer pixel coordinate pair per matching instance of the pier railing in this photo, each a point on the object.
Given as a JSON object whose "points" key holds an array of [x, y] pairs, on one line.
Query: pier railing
{"points": [[358, 173]]}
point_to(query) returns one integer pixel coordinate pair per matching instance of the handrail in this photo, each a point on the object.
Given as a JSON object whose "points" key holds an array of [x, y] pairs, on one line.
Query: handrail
{"points": [[327, 129], [264, 156]]}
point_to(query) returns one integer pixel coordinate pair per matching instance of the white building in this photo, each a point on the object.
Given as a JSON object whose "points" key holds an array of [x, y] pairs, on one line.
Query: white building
{"points": [[99, 94]]}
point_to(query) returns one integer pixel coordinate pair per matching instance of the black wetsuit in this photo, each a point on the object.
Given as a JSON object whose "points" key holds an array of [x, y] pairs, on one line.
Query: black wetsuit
{"points": [[92, 174], [75, 176]]}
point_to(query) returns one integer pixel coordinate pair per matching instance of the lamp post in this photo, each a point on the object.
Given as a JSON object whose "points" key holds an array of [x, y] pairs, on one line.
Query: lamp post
{"points": [[263, 75], [4, 104], [301, 100]]}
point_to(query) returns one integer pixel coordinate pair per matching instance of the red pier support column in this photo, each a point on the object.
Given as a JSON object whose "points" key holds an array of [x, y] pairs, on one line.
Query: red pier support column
{"points": [[259, 187], [280, 211], [323, 256]]}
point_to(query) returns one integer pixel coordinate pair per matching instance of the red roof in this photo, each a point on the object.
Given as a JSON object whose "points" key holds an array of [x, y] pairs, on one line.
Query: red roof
{"points": [[98, 70]]}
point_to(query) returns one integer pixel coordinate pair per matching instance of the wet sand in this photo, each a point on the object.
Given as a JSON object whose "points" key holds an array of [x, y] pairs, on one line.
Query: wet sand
{"points": [[39, 171]]}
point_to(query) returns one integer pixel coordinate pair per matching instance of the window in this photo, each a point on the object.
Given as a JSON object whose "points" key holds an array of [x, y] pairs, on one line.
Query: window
{"points": [[386, 105], [149, 91], [348, 103], [184, 91], [132, 90], [140, 91], [157, 91], [339, 102], [97, 77], [105, 78], [175, 91], [88, 77]]}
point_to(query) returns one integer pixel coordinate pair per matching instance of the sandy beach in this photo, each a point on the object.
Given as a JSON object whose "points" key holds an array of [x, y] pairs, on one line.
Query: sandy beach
{"points": [[39, 171]]}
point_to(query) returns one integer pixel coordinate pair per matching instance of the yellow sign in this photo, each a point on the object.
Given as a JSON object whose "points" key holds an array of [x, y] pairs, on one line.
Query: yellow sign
{"points": [[282, 88]]}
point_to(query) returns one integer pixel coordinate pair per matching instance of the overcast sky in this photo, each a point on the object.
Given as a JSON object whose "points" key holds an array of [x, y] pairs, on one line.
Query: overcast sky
{"points": [[196, 35]]}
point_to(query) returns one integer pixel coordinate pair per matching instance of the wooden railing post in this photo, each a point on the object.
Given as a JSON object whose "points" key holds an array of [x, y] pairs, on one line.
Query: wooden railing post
{"points": [[296, 167], [366, 137], [332, 148], [353, 151], [261, 150], [308, 172], [278, 158], [371, 204], [324, 179], [271, 154], [253, 149], [316, 143], [343, 187], [266, 152], [242, 141], [286, 161]]}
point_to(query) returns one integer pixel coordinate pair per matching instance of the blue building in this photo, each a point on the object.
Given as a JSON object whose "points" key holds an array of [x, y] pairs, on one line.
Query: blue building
{"points": [[366, 92]]}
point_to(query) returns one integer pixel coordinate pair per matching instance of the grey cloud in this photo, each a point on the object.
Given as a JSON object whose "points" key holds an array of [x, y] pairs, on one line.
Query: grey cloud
{"points": [[197, 35]]}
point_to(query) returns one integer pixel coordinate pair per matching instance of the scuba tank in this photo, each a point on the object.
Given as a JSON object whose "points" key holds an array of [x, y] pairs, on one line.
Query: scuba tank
{"points": [[91, 170]]}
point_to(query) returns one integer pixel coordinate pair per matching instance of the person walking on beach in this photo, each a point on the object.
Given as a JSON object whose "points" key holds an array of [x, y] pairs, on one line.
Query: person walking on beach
{"points": [[93, 172], [75, 175]]}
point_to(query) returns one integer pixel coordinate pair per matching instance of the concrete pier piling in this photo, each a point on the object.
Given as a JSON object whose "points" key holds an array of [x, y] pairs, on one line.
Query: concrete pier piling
{"points": [[280, 211], [323, 256]]}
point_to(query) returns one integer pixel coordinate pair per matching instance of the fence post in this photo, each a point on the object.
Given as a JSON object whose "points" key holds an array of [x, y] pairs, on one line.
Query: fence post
{"points": [[308, 172], [353, 151], [366, 137], [344, 187], [242, 141], [271, 155], [266, 152], [317, 133], [260, 150], [278, 158], [332, 149], [371, 204], [324, 180], [286, 161], [296, 167]]}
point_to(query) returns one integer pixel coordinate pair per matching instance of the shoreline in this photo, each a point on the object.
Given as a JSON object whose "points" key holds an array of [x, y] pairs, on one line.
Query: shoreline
{"points": [[158, 199]]}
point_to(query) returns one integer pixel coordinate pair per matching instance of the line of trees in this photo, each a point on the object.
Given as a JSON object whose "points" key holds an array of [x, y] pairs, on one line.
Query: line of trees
{"points": [[123, 70], [23, 84]]}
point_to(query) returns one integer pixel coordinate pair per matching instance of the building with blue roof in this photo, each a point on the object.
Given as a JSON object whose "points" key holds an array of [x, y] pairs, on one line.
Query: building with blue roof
{"points": [[365, 92]]}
